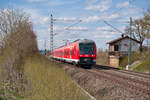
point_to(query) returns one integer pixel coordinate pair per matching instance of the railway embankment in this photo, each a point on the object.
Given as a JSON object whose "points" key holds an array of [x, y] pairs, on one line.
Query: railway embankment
{"points": [[110, 84]]}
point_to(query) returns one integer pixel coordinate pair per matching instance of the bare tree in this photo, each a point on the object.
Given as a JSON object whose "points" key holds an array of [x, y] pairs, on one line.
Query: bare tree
{"points": [[17, 42], [140, 28]]}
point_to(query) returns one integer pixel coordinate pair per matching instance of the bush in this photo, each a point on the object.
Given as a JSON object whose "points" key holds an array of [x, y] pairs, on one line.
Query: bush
{"points": [[17, 42]]}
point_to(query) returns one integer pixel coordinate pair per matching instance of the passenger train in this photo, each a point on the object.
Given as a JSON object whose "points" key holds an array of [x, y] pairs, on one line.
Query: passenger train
{"points": [[80, 52]]}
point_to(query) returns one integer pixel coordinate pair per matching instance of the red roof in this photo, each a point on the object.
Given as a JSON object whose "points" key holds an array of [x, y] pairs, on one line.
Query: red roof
{"points": [[121, 38]]}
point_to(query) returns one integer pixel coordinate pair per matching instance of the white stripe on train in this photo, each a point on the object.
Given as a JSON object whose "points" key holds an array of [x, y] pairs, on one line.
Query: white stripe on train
{"points": [[69, 60]]}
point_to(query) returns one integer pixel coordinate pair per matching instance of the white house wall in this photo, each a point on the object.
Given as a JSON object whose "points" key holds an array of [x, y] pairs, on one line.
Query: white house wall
{"points": [[124, 45]]}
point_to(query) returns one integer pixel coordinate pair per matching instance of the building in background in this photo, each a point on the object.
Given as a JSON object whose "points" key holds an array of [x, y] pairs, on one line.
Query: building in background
{"points": [[119, 47]]}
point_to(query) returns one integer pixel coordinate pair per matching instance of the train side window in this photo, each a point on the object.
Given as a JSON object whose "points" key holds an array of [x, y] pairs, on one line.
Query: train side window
{"points": [[74, 52], [71, 52], [65, 52]]}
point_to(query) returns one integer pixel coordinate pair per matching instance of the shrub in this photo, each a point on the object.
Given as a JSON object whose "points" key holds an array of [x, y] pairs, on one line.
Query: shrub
{"points": [[17, 42]]}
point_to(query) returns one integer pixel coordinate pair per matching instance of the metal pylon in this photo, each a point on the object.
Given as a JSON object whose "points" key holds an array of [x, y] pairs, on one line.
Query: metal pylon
{"points": [[51, 33]]}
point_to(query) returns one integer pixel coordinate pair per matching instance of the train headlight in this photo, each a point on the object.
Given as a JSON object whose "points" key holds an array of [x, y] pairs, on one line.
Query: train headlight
{"points": [[94, 60]]}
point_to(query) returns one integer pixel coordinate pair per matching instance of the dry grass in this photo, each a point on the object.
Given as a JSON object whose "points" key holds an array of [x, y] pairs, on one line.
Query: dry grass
{"points": [[102, 57], [49, 82]]}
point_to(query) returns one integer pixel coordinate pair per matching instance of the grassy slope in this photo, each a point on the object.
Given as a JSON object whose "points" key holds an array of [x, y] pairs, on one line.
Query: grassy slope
{"points": [[49, 82], [143, 57], [143, 67], [134, 57]]}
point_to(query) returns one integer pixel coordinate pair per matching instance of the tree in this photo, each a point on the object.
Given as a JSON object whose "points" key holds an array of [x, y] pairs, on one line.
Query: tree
{"points": [[16, 32], [17, 42], [140, 28], [137, 31], [147, 22]]}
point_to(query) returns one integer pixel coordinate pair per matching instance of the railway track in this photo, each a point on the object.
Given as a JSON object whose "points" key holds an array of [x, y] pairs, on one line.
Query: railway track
{"points": [[123, 80], [144, 75], [139, 74]]}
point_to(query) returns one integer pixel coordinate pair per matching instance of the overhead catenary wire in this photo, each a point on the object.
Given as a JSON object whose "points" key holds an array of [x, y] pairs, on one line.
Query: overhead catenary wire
{"points": [[113, 27], [67, 28]]}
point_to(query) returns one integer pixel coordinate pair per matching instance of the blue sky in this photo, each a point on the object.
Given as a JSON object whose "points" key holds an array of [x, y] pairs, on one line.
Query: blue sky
{"points": [[92, 14]]}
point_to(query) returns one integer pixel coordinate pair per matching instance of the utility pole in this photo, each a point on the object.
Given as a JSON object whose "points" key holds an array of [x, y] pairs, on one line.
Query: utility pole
{"points": [[130, 46], [51, 33], [45, 46]]}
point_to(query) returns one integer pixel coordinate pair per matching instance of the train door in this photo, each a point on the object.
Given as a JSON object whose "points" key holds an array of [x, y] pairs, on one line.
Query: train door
{"points": [[70, 56], [71, 53]]}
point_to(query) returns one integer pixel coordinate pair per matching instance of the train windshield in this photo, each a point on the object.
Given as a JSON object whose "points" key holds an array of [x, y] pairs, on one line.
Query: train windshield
{"points": [[86, 48]]}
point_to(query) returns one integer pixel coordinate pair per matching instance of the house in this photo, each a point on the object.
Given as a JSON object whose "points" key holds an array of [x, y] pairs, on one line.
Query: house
{"points": [[119, 48]]}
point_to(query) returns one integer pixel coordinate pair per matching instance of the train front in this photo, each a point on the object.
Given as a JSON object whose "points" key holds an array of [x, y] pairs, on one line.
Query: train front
{"points": [[87, 52]]}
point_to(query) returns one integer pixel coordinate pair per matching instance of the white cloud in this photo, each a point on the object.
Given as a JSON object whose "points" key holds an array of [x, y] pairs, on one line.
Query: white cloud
{"points": [[57, 28], [98, 18], [91, 19], [122, 28], [42, 33], [123, 4], [108, 32], [77, 28], [66, 19], [103, 36], [34, 14], [103, 6], [110, 17], [44, 20], [103, 28], [130, 11]]}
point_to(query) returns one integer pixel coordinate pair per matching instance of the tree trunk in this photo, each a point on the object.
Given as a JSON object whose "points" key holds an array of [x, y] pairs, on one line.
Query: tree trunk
{"points": [[141, 47]]}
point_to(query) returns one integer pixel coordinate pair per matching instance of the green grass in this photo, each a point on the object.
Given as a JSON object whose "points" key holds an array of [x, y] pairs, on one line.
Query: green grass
{"points": [[143, 67], [1, 98], [49, 82], [144, 59], [133, 57]]}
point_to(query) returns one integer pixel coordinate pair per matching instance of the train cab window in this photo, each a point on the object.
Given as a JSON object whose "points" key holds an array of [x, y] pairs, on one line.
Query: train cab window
{"points": [[85, 48]]}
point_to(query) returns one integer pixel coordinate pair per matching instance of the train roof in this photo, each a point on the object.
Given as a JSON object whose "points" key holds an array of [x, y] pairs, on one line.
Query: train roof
{"points": [[80, 41], [85, 41]]}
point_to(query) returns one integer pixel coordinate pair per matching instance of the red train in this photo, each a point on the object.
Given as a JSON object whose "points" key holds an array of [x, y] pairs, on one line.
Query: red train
{"points": [[80, 52]]}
